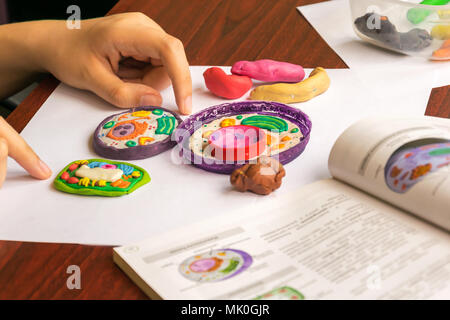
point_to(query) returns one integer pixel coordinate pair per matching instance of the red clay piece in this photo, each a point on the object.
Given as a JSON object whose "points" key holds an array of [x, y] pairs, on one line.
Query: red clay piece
{"points": [[224, 85]]}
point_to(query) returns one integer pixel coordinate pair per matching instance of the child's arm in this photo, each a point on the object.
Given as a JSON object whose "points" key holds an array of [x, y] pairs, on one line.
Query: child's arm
{"points": [[125, 59]]}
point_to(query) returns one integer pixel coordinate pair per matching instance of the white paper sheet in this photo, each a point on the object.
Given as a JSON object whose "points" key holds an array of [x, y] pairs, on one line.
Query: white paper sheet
{"points": [[177, 195], [333, 21]]}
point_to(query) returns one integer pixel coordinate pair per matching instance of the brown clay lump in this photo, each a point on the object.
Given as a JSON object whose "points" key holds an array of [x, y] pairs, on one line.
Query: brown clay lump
{"points": [[261, 177]]}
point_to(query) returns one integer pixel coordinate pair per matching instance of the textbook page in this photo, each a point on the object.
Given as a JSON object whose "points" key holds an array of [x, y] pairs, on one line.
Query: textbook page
{"points": [[326, 240], [404, 161]]}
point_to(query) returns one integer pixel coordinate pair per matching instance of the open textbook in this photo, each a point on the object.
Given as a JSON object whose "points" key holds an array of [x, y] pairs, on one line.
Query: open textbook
{"points": [[377, 230]]}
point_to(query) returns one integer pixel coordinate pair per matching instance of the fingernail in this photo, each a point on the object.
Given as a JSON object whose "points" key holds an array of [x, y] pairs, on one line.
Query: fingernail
{"points": [[149, 100], [187, 109], [44, 168]]}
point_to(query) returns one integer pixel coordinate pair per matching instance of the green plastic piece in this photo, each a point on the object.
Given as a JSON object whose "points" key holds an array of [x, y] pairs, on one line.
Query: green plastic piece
{"points": [[295, 130], [166, 125], [158, 112], [417, 15], [131, 143], [266, 122], [239, 117], [106, 191]]}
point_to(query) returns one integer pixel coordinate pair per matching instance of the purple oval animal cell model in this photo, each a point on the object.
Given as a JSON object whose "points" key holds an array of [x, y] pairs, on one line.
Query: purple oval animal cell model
{"points": [[137, 133], [269, 70]]}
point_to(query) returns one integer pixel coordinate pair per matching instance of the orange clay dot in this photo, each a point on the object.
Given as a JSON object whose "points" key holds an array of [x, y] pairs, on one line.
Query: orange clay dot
{"points": [[285, 138], [228, 122], [281, 146]]}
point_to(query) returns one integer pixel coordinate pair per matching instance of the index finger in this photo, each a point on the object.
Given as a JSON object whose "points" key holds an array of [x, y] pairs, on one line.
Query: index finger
{"points": [[174, 59], [157, 44]]}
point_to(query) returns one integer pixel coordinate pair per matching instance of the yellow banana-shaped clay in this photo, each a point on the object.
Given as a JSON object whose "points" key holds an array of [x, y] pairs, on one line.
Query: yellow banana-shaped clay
{"points": [[318, 82]]}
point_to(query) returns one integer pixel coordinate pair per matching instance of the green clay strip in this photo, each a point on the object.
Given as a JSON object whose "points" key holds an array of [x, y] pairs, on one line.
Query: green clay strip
{"points": [[165, 125], [295, 130], [266, 122]]}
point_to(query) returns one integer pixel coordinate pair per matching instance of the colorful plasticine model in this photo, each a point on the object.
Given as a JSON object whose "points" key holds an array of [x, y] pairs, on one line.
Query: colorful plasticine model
{"points": [[417, 15], [224, 85], [269, 70], [135, 134], [99, 177], [261, 177], [407, 167], [317, 83], [443, 52], [286, 132], [215, 265], [386, 33]]}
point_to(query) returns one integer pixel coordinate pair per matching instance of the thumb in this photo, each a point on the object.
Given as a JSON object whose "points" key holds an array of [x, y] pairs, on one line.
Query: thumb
{"points": [[19, 150], [124, 94]]}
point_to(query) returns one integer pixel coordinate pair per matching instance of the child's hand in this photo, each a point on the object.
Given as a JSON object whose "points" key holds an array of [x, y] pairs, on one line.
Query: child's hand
{"points": [[126, 59], [12, 144]]}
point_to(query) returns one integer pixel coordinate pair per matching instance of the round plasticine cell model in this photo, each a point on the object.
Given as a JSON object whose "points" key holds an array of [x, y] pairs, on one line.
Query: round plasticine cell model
{"points": [[407, 167], [137, 133], [215, 265], [283, 130], [100, 177]]}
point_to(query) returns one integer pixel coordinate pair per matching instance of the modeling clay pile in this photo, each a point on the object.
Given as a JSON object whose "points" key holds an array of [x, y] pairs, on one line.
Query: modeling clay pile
{"points": [[261, 177], [291, 89], [229, 136]]}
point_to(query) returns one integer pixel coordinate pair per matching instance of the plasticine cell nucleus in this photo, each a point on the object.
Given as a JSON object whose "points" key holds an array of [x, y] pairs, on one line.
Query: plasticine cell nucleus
{"points": [[100, 177], [135, 134], [215, 265]]}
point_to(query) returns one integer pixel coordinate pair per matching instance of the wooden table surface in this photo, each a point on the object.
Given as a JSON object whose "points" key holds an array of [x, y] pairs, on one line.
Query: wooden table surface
{"points": [[214, 32]]}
